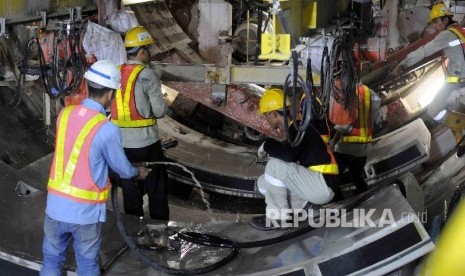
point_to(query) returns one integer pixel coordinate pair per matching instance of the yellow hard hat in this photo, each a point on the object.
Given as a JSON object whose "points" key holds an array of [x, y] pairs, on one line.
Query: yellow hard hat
{"points": [[136, 37], [272, 99], [439, 10]]}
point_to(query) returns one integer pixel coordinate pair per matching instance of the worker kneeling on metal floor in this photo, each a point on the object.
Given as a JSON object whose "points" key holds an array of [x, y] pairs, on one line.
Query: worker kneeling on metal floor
{"points": [[294, 176]]}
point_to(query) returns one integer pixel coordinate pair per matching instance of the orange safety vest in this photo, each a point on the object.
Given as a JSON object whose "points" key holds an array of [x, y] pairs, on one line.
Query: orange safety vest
{"points": [[340, 115], [362, 131], [70, 174], [330, 168], [123, 108], [460, 33]]}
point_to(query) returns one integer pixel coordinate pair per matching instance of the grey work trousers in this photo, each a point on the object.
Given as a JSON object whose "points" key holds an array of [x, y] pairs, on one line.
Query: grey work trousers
{"points": [[288, 185]]}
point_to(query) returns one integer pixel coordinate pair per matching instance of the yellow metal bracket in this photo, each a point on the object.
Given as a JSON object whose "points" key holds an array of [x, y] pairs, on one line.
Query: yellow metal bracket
{"points": [[275, 46]]}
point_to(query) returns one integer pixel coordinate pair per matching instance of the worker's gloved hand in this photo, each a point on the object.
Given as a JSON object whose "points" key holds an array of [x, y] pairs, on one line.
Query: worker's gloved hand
{"points": [[143, 172], [261, 153], [381, 115]]}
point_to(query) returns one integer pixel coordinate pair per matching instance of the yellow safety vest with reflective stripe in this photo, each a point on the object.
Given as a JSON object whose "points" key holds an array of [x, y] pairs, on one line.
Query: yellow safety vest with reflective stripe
{"points": [[63, 180], [325, 169], [362, 132], [123, 108], [460, 33]]}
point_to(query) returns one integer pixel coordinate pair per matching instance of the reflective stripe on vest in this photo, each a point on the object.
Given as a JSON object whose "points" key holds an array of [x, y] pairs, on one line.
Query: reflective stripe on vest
{"points": [[325, 169], [61, 181], [460, 33], [361, 133], [325, 138], [330, 168], [452, 79], [125, 114]]}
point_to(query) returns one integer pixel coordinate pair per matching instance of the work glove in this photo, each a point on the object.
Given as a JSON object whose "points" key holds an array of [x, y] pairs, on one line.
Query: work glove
{"points": [[142, 172], [381, 115], [261, 153]]}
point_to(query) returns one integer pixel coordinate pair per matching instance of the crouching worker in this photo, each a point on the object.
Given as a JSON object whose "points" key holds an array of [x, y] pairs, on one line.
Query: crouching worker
{"points": [[87, 144], [294, 176]]}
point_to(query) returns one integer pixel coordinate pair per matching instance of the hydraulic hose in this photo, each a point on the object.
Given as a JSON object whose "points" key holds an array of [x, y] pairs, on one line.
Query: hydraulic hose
{"points": [[141, 256], [290, 90], [216, 241], [342, 64], [23, 70], [60, 85], [325, 63]]}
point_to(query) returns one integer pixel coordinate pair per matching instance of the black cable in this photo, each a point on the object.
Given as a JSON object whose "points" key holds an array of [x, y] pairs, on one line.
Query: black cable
{"points": [[315, 110], [216, 241], [44, 72], [345, 68], [290, 90], [141, 256], [17, 94], [67, 45], [286, 27], [259, 34], [324, 98]]}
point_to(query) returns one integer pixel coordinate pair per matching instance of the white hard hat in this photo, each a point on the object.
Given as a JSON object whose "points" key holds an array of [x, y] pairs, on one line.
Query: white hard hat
{"points": [[104, 73]]}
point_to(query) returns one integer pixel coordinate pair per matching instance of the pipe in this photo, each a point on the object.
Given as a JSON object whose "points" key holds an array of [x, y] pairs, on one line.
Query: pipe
{"points": [[50, 16]]}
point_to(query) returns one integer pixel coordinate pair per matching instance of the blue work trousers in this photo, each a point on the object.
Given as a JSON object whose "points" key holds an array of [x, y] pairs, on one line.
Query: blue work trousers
{"points": [[87, 240]]}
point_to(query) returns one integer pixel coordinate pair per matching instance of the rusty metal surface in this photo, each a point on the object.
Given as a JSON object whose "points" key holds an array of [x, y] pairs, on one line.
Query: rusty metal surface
{"points": [[239, 105], [157, 18]]}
